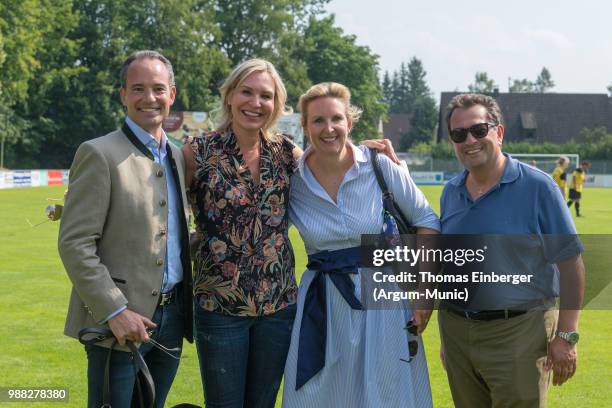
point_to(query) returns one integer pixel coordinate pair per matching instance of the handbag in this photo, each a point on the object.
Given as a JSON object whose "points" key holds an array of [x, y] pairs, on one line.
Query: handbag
{"points": [[389, 204]]}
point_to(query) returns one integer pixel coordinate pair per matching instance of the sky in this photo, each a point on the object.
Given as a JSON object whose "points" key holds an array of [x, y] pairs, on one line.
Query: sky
{"points": [[516, 38]]}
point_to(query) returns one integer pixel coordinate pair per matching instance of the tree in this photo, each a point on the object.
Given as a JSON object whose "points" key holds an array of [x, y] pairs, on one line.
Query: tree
{"points": [[255, 28], [482, 84], [387, 87], [409, 93], [74, 94], [186, 33], [421, 106], [291, 66], [402, 102], [60, 62], [36, 50], [330, 55], [416, 84], [595, 135], [19, 40], [543, 82], [422, 123], [521, 86], [270, 29]]}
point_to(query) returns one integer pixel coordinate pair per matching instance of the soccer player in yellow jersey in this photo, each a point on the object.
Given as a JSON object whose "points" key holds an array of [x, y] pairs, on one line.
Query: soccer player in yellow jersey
{"points": [[559, 174], [575, 191]]}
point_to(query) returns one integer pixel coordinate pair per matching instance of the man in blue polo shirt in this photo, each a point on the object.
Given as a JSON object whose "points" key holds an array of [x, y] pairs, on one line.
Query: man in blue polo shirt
{"points": [[500, 347]]}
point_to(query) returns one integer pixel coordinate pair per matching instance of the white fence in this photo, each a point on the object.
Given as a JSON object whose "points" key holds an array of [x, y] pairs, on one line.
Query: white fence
{"points": [[441, 177], [32, 178], [598, 180], [37, 178]]}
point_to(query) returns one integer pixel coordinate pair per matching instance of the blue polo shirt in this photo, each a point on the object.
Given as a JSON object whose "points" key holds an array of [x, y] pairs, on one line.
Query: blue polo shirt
{"points": [[526, 225]]}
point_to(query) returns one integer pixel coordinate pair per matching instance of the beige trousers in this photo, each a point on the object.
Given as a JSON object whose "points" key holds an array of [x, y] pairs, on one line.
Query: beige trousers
{"points": [[498, 363]]}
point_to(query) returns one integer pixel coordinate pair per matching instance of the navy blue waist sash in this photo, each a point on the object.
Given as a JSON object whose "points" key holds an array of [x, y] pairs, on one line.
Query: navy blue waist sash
{"points": [[313, 331]]}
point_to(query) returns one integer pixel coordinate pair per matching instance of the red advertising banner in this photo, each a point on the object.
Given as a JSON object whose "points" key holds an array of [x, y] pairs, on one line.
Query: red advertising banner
{"points": [[54, 177]]}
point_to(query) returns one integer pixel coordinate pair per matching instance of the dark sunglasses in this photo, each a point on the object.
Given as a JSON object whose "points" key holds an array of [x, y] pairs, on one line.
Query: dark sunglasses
{"points": [[478, 130]]}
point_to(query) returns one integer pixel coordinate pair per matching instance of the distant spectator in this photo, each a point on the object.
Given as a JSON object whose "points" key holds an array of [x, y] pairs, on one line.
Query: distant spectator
{"points": [[559, 174], [575, 191]]}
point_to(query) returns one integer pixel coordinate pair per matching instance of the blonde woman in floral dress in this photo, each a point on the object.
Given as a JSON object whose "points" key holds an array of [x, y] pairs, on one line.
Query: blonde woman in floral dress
{"points": [[244, 282]]}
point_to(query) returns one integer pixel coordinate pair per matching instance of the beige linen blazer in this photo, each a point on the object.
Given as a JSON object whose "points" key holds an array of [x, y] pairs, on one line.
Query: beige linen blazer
{"points": [[113, 231]]}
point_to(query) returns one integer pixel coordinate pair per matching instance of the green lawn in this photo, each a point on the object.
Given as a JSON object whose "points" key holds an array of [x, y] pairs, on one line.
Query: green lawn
{"points": [[34, 352]]}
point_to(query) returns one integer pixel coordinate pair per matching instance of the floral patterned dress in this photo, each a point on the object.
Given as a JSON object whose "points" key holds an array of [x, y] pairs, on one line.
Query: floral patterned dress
{"points": [[244, 265]]}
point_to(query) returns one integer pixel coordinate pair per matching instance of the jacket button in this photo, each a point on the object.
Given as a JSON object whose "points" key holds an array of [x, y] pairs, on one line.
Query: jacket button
{"points": [[160, 173], [155, 292], [160, 262], [162, 202]]}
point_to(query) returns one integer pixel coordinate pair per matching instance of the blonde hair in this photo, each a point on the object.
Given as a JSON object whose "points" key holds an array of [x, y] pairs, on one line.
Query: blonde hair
{"points": [[330, 90], [563, 160], [235, 79]]}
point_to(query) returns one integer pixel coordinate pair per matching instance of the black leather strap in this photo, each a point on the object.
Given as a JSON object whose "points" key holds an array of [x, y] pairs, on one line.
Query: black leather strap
{"points": [[91, 336], [389, 204], [488, 315]]}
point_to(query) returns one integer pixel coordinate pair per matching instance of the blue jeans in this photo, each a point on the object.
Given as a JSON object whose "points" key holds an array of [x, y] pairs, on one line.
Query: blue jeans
{"points": [[169, 332], [242, 359]]}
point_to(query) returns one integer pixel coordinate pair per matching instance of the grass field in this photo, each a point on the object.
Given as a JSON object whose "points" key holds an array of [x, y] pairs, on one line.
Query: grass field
{"points": [[34, 352]]}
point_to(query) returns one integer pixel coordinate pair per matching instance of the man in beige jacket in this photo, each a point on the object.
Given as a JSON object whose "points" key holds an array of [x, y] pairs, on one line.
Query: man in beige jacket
{"points": [[123, 238]]}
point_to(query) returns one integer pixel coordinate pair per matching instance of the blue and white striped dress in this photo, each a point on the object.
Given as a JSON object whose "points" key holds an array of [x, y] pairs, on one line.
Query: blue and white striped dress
{"points": [[363, 347]]}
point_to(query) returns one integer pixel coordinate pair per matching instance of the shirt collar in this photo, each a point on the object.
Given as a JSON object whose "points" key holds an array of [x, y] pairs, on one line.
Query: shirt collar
{"points": [[146, 138], [511, 173], [358, 157]]}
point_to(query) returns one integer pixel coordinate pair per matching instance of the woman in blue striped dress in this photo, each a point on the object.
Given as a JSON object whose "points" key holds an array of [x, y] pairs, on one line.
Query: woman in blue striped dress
{"points": [[340, 354]]}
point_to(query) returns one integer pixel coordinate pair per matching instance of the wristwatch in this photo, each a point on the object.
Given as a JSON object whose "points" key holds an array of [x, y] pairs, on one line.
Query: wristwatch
{"points": [[570, 337]]}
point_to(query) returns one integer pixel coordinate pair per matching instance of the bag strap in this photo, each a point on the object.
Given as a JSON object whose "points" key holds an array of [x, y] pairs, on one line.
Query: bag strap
{"points": [[379, 176], [389, 204], [144, 378], [106, 396], [93, 335]]}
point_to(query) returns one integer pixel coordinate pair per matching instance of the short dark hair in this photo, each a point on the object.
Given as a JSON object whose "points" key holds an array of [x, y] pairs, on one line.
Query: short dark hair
{"points": [[466, 101], [144, 54]]}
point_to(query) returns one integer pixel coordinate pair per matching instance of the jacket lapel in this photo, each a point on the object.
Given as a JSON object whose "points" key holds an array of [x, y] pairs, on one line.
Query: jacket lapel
{"points": [[136, 142]]}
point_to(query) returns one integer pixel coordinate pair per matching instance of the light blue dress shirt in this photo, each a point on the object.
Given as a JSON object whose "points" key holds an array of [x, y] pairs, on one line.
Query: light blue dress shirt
{"points": [[173, 268]]}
